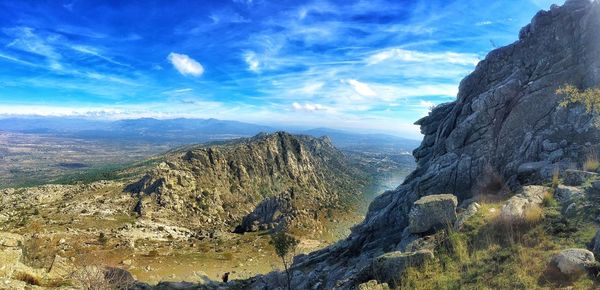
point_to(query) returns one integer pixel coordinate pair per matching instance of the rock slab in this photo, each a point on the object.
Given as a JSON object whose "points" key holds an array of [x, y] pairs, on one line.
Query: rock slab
{"points": [[432, 212]]}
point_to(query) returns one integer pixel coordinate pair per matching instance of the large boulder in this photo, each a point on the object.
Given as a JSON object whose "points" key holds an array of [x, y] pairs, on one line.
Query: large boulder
{"points": [[516, 207], [577, 177], [389, 267], [573, 262], [432, 212]]}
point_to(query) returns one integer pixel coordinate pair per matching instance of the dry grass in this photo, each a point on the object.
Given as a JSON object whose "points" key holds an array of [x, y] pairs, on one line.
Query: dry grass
{"points": [[591, 162], [98, 274], [27, 278], [555, 177]]}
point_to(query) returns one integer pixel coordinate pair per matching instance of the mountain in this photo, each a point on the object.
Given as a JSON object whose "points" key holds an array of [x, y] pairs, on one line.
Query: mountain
{"points": [[191, 131], [506, 129], [179, 131], [213, 187]]}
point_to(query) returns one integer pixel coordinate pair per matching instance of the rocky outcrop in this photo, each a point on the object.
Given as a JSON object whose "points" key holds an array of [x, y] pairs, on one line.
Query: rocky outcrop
{"points": [[504, 130], [577, 177], [432, 212], [214, 187], [390, 266]]}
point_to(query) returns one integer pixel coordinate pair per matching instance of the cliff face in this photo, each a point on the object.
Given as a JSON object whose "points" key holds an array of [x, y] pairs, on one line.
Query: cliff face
{"points": [[504, 128], [214, 187]]}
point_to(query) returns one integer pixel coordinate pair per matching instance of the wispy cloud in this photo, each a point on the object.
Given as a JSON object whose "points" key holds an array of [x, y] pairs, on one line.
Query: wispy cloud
{"points": [[251, 59], [399, 54], [94, 52], [26, 40], [361, 88], [185, 64]]}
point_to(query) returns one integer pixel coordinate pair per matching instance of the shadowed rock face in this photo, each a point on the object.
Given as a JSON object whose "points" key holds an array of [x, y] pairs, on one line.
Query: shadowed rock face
{"points": [[214, 187], [506, 115]]}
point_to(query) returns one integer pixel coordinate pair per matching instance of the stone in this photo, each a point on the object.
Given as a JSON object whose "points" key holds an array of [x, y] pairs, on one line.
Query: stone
{"points": [[569, 194], [389, 267], [577, 177], [61, 267], [573, 262], [515, 207], [531, 171], [432, 212], [373, 285], [10, 239]]}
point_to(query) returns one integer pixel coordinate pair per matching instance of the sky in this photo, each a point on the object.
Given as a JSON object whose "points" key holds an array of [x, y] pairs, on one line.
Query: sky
{"points": [[370, 66]]}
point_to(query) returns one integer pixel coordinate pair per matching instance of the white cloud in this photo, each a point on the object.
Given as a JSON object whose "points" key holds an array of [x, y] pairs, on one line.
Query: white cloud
{"points": [[27, 40], [426, 104], [309, 107], [252, 60], [94, 52], [361, 88], [483, 23], [400, 54], [185, 64], [311, 88]]}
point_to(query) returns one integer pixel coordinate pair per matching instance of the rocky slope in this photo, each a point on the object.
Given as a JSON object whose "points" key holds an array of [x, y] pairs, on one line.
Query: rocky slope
{"points": [[505, 129], [214, 187]]}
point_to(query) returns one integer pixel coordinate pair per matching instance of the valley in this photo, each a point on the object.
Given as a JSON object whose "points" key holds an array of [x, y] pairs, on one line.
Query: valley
{"points": [[92, 219]]}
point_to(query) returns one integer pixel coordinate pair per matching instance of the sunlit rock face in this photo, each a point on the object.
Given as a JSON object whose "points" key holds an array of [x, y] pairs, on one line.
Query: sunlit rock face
{"points": [[213, 188], [506, 117]]}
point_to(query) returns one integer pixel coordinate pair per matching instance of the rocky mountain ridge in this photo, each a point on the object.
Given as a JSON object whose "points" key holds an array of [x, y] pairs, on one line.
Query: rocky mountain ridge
{"points": [[214, 187]]}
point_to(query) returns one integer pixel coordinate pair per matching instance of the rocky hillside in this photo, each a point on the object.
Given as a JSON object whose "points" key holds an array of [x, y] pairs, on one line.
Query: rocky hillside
{"points": [[505, 129], [214, 187]]}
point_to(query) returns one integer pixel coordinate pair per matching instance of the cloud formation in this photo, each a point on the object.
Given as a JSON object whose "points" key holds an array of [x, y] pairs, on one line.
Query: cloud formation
{"points": [[361, 88], [185, 65], [399, 54]]}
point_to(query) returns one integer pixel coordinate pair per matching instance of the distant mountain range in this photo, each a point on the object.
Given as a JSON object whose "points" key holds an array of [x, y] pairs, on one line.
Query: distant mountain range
{"points": [[190, 131]]}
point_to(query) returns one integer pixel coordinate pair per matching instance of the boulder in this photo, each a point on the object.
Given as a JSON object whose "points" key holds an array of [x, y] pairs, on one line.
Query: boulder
{"points": [[60, 267], [573, 262], [373, 285], [10, 239], [530, 171], [516, 206], [569, 194], [389, 267], [577, 177], [432, 212]]}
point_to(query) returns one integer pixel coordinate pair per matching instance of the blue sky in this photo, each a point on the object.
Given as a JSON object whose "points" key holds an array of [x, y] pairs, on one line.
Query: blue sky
{"points": [[367, 65]]}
